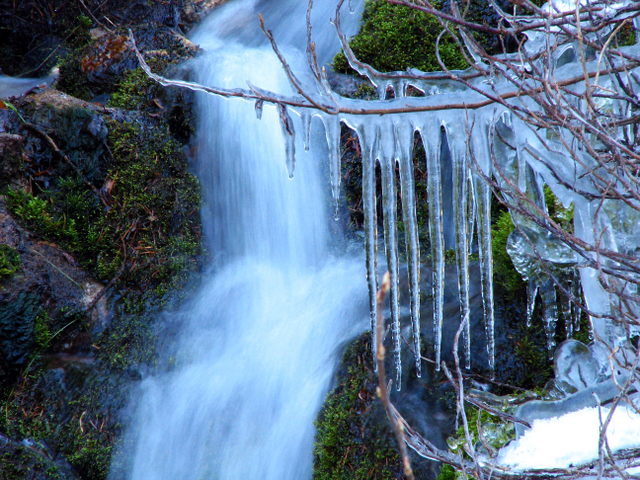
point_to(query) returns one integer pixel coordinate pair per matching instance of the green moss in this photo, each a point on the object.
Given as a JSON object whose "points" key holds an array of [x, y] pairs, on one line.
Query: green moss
{"points": [[41, 216], [561, 215], [354, 440], [134, 92], [504, 273], [9, 261], [70, 409], [149, 223], [41, 330], [395, 38], [494, 432], [447, 472]]}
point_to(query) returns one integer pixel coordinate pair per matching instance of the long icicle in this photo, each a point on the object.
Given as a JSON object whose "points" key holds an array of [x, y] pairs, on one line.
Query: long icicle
{"points": [[404, 155], [481, 161], [367, 139], [289, 136], [460, 207], [386, 157], [431, 139], [332, 131]]}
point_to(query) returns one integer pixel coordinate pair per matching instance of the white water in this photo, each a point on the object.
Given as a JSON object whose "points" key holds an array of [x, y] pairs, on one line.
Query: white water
{"points": [[257, 354], [240, 403]]}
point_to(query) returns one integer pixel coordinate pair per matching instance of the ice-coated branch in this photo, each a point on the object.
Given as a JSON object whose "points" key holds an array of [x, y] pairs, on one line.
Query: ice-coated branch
{"points": [[251, 94]]}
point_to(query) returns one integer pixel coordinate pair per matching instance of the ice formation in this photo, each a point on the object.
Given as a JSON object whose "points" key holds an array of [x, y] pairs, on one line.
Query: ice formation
{"points": [[486, 140]]}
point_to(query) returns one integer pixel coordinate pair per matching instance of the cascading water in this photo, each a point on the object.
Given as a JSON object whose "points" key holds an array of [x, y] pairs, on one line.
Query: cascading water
{"points": [[256, 355], [227, 409]]}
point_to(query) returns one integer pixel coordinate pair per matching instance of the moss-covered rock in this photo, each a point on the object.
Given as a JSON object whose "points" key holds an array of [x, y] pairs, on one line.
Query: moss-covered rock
{"points": [[100, 67], [95, 193], [68, 406], [29, 460], [396, 38], [354, 439]]}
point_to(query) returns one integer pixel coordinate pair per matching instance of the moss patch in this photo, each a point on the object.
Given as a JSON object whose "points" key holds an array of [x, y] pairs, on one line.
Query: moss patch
{"points": [[9, 261], [395, 38], [70, 408], [505, 276], [145, 227], [354, 440]]}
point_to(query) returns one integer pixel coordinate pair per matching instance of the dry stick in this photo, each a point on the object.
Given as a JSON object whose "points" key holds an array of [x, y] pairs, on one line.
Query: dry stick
{"points": [[382, 387]]}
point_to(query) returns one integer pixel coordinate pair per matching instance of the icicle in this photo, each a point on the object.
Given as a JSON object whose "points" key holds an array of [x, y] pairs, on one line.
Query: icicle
{"points": [[259, 105], [399, 87], [460, 208], [305, 119], [549, 299], [381, 89], [404, 154], [289, 135], [566, 304], [481, 160], [367, 139], [332, 131], [471, 211], [532, 293], [386, 157], [483, 203], [577, 295], [431, 139]]}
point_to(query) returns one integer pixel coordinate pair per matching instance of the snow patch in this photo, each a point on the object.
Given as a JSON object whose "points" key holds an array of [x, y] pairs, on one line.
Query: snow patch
{"points": [[571, 439]]}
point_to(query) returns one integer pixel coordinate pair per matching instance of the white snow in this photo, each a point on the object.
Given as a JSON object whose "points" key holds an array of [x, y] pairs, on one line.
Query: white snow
{"points": [[571, 439]]}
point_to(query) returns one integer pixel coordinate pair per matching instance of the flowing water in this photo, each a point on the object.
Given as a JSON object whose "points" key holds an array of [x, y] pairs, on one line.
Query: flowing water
{"points": [[256, 355]]}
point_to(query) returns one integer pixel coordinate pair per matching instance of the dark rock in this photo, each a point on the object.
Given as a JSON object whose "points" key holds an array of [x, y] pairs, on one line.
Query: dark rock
{"points": [[11, 155], [32, 460], [101, 66], [17, 322], [194, 11]]}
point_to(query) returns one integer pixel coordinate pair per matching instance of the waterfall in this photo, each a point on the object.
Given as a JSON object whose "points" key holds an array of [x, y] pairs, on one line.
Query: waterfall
{"points": [[256, 354]]}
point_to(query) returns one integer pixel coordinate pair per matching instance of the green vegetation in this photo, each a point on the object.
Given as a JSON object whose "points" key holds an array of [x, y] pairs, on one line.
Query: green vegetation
{"points": [[41, 330], [69, 411], [39, 215], [134, 91], [145, 228], [354, 440], [396, 38], [9, 261], [504, 273], [561, 215]]}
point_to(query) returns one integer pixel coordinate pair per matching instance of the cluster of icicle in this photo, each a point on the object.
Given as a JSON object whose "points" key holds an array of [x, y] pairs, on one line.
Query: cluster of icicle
{"points": [[389, 141], [475, 149], [481, 137]]}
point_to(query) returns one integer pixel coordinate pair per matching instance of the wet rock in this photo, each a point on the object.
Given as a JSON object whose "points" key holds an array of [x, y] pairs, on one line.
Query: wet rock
{"points": [[102, 65], [194, 11], [32, 460], [11, 155], [17, 330]]}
